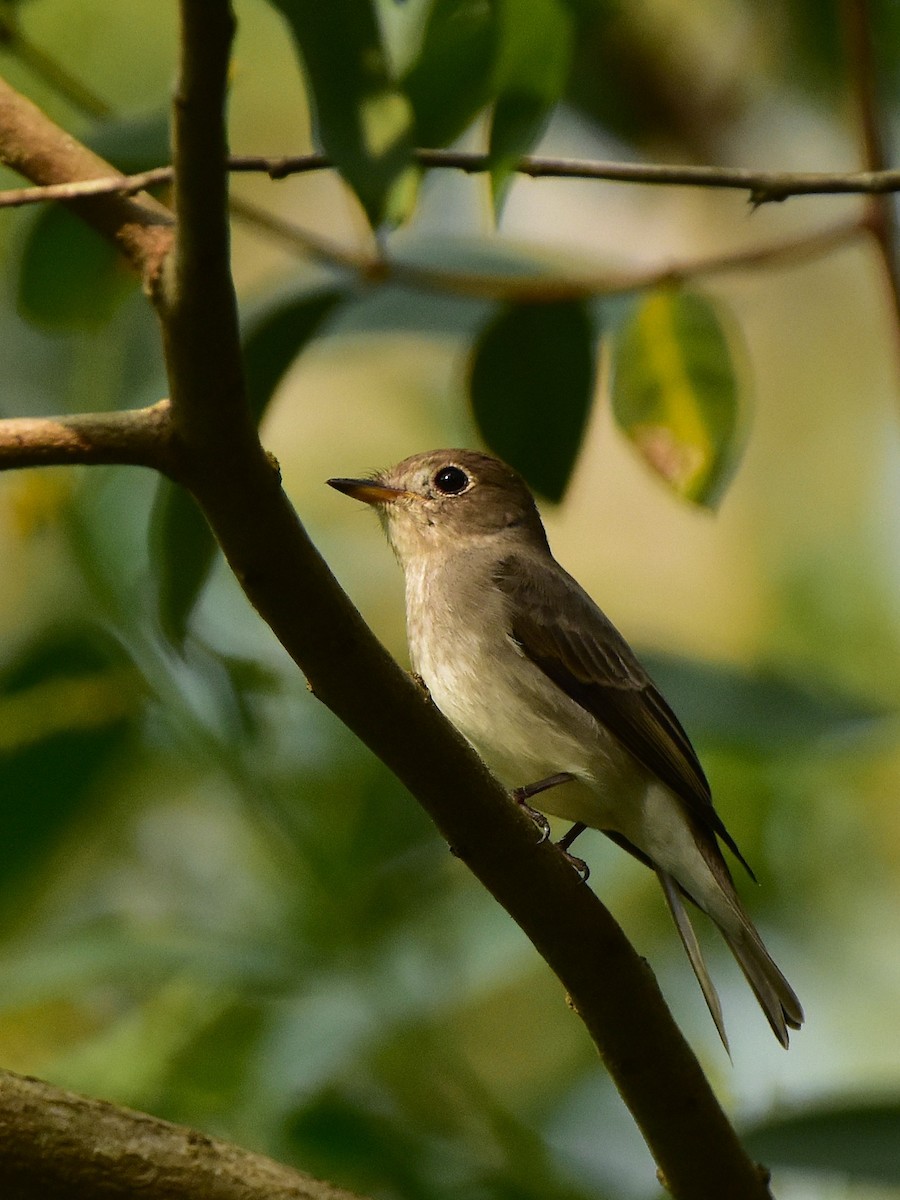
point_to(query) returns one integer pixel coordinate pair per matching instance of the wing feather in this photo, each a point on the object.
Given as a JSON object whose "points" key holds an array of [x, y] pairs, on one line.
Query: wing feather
{"points": [[560, 628]]}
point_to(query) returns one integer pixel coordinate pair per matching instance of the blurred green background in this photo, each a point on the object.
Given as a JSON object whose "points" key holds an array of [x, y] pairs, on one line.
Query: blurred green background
{"points": [[214, 904]]}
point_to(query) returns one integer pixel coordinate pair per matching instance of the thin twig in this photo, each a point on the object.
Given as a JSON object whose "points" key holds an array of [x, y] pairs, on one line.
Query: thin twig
{"points": [[547, 287], [763, 186]]}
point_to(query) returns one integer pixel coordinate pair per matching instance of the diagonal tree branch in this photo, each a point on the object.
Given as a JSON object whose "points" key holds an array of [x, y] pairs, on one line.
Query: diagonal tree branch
{"points": [[213, 448], [60, 1146]]}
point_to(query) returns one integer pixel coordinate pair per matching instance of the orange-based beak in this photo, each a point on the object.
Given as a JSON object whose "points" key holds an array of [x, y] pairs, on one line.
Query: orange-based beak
{"points": [[367, 490]]}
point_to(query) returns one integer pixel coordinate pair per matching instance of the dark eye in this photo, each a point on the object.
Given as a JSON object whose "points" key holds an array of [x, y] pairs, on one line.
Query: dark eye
{"points": [[451, 481]]}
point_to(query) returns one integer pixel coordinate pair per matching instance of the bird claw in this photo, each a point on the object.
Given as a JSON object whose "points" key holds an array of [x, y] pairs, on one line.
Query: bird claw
{"points": [[520, 796], [580, 866]]}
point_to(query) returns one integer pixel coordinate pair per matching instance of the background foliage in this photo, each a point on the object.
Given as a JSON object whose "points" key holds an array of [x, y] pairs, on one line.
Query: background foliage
{"points": [[215, 905]]}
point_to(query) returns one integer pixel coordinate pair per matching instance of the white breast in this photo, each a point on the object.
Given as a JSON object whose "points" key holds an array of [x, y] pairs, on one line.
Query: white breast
{"points": [[521, 723]]}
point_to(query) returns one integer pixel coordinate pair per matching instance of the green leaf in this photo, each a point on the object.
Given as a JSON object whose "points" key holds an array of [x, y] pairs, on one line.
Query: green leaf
{"points": [[183, 550], [531, 384], [450, 82], [675, 392], [858, 1141], [182, 546], [364, 120], [532, 68], [275, 334], [69, 276]]}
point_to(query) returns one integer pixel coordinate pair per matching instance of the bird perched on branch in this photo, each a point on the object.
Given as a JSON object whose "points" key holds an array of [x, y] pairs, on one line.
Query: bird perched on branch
{"points": [[522, 661]]}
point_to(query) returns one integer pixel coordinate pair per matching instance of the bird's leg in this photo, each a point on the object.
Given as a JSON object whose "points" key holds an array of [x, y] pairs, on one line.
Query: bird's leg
{"points": [[566, 841], [523, 794], [568, 838]]}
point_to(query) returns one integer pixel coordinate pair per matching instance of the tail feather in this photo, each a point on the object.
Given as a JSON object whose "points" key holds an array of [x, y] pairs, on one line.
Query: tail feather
{"points": [[776, 997], [688, 937]]}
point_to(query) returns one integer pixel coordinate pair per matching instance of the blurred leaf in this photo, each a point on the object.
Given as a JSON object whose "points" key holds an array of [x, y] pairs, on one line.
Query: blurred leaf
{"points": [[275, 334], [725, 703], [209, 1074], [859, 1141], [450, 82], [69, 276], [531, 383], [532, 67], [182, 546], [364, 120], [675, 392], [65, 706], [356, 1145], [182, 550]]}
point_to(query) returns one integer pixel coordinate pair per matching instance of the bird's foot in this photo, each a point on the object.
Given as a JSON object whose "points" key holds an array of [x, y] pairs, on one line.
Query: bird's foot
{"points": [[583, 870], [520, 795], [523, 794]]}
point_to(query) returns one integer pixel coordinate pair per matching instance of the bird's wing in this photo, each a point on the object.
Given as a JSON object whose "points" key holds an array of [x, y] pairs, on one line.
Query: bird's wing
{"points": [[560, 628]]}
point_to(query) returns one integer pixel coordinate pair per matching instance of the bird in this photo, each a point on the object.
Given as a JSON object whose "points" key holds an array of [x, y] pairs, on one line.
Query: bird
{"points": [[517, 656]]}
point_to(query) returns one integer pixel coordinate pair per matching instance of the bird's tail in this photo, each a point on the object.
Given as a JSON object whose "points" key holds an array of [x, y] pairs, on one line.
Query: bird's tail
{"points": [[776, 997], [673, 896]]}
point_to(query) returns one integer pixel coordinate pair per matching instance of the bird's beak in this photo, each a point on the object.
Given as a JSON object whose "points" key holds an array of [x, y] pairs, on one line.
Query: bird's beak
{"points": [[370, 491]]}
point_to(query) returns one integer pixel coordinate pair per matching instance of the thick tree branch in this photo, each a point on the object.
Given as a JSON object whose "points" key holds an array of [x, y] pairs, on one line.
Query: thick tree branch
{"points": [[60, 1146], [138, 437]]}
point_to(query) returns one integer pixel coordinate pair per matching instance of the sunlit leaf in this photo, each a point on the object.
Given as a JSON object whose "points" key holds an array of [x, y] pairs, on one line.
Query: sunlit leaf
{"points": [[675, 392], [450, 81], [531, 384], [858, 1141], [364, 120], [532, 67]]}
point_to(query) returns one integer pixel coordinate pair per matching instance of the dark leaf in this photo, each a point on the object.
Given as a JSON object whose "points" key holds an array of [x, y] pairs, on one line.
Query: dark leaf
{"points": [[65, 706], [364, 120], [450, 82], [675, 392], [277, 332], [69, 276], [183, 550], [531, 384], [858, 1141]]}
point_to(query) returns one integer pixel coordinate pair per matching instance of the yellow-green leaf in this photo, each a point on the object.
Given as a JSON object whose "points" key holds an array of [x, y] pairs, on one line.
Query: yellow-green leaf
{"points": [[675, 392]]}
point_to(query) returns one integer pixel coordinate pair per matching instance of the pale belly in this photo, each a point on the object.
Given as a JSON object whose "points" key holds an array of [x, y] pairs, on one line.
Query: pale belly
{"points": [[526, 729]]}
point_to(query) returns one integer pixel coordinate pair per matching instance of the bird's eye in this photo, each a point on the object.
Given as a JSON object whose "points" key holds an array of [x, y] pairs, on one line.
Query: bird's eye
{"points": [[451, 481]]}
